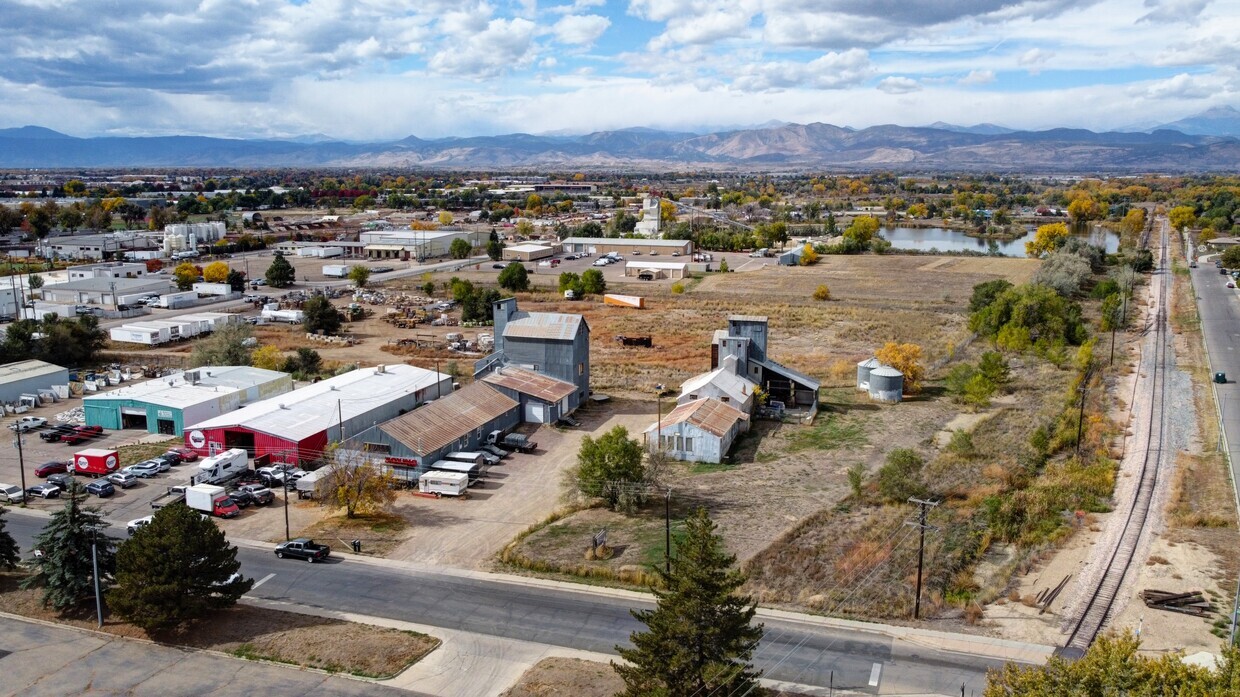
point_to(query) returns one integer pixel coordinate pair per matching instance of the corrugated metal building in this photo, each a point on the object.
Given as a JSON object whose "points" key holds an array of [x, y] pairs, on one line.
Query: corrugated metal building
{"points": [[297, 426], [543, 399], [550, 343], [627, 245], [745, 339], [722, 384], [28, 377], [165, 405], [529, 252], [459, 422], [699, 431]]}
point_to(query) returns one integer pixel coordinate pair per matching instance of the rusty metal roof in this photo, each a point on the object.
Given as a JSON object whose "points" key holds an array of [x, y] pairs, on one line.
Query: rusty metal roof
{"points": [[710, 415], [445, 420], [543, 325], [747, 318], [528, 382]]}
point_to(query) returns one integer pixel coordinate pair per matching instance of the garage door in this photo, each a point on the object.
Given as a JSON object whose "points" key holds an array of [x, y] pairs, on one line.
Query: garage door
{"points": [[535, 413]]}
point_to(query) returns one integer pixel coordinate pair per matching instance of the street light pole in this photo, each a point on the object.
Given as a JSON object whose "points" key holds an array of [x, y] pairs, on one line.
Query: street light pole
{"points": [[21, 463]]}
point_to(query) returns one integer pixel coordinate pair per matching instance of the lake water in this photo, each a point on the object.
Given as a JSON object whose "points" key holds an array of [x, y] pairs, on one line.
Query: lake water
{"points": [[925, 239]]}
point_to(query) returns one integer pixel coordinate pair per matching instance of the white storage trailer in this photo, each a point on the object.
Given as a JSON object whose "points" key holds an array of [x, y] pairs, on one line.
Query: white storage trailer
{"points": [[321, 252], [443, 483], [478, 458], [290, 316], [473, 471], [336, 270], [131, 334], [176, 300]]}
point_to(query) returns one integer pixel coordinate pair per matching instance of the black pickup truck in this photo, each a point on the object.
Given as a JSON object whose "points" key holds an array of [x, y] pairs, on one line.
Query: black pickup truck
{"points": [[303, 548]]}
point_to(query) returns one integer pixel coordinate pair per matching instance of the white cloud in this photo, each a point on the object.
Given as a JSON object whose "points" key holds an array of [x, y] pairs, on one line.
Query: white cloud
{"points": [[978, 77], [505, 44], [581, 30], [828, 72], [1034, 59], [1174, 11], [898, 85], [1182, 86]]}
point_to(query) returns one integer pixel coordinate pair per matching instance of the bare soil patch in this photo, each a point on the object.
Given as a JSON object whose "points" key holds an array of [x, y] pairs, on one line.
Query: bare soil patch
{"points": [[379, 532], [576, 677], [257, 633]]}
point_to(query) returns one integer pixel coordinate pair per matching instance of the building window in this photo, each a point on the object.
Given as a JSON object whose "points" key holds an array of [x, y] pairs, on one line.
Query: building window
{"points": [[688, 445], [581, 368], [381, 448], [725, 399]]}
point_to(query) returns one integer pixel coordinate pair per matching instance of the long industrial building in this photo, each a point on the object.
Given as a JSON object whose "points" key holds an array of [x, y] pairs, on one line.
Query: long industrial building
{"points": [[165, 405], [297, 426], [29, 377]]}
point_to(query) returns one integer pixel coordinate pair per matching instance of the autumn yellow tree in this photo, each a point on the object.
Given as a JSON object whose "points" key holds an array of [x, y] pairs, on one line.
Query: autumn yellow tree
{"points": [[267, 357], [1134, 221], [1047, 239], [808, 255], [357, 485], [185, 275], [822, 292], [667, 211], [445, 218], [1182, 217], [1086, 208], [215, 272], [905, 358]]}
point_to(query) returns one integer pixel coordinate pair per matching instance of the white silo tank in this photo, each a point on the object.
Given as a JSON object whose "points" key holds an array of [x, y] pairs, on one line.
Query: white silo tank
{"points": [[863, 372]]}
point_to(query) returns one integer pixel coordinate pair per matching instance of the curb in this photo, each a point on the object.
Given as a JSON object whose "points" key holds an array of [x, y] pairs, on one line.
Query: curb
{"points": [[965, 644]]}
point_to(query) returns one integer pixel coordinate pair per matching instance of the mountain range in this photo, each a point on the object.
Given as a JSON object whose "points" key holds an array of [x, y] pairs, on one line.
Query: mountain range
{"points": [[1212, 146]]}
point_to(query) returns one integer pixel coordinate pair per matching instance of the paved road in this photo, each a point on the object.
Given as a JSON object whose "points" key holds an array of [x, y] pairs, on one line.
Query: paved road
{"points": [[792, 651], [1219, 307], [36, 659]]}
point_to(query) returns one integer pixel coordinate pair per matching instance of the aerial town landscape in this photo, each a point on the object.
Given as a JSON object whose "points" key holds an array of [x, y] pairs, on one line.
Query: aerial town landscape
{"points": [[621, 405]]}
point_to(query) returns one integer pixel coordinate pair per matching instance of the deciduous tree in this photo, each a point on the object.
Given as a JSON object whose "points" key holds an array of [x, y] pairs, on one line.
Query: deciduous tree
{"points": [[1047, 239], [267, 357], [215, 272], [460, 249], [360, 275], [228, 345], [608, 467], [700, 638], [185, 275], [321, 316], [1182, 217], [514, 277], [358, 486], [176, 569], [592, 282], [905, 358]]}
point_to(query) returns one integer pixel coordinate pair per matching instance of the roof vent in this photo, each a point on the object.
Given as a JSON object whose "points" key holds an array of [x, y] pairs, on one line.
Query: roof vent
{"points": [[282, 406], [335, 388], [380, 369]]}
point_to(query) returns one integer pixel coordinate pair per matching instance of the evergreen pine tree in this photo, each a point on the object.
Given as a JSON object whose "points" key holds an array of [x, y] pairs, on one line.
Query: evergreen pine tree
{"points": [[178, 568], [9, 553], [62, 564], [281, 273], [699, 639]]}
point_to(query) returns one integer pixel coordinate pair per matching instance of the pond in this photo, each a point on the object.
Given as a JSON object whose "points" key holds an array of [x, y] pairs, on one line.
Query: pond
{"points": [[944, 240]]}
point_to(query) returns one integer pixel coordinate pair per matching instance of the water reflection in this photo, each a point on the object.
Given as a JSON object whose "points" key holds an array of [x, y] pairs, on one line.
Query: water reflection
{"points": [[925, 239]]}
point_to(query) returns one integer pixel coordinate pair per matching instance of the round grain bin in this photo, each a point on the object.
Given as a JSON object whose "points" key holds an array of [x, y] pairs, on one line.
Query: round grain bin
{"points": [[886, 384], [863, 372]]}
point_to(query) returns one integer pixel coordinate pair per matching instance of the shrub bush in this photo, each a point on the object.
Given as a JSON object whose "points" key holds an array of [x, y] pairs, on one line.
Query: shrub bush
{"points": [[822, 292]]}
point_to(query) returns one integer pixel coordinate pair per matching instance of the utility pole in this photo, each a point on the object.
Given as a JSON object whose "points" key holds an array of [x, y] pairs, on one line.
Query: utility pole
{"points": [[21, 463], [1080, 421], [921, 545], [667, 532], [94, 562]]}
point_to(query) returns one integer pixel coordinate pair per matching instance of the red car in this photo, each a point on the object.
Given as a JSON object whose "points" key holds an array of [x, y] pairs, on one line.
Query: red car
{"points": [[187, 454], [49, 468], [81, 434]]}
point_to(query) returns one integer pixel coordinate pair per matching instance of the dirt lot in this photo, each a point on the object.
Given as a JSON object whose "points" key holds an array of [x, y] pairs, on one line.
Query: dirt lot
{"points": [[250, 632], [556, 677]]}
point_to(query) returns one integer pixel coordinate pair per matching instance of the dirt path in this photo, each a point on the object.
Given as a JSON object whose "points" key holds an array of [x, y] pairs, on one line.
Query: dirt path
{"points": [[519, 492]]}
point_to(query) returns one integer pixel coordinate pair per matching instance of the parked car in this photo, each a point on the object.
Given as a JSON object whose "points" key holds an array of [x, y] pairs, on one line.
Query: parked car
{"points": [[101, 488], [55, 433], [172, 457], [499, 266], [164, 464], [303, 548], [122, 479], [28, 423], [12, 493], [46, 491], [1231, 284], [81, 434], [49, 468], [138, 523], [262, 495], [187, 454], [61, 481], [242, 498], [145, 469]]}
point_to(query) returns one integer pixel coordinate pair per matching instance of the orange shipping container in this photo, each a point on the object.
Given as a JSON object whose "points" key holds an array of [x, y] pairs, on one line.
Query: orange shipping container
{"points": [[624, 300]]}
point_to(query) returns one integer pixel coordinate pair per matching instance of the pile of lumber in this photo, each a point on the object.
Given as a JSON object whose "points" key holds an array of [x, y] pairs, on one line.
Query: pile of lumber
{"points": [[1191, 603]]}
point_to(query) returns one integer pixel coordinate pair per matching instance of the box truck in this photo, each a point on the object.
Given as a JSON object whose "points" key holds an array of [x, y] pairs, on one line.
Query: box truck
{"points": [[221, 467], [212, 500], [443, 483], [95, 462]]}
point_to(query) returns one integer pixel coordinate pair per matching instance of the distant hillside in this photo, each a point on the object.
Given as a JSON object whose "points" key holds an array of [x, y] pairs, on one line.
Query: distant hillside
{"points": [[984, 147], [1219, 121]]}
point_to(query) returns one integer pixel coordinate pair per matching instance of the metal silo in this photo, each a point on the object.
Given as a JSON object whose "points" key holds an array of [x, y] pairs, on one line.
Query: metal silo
{"points": [[886, 384], [863, 372]]}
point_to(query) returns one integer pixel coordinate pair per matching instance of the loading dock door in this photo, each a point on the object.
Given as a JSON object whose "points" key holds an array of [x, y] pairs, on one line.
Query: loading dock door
{"points": [[239, 439], [166, 427], [535, 413], [133, 418]]}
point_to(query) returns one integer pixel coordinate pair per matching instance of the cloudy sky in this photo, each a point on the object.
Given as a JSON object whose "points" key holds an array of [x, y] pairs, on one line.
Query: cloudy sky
{"points": [[384, 69]]}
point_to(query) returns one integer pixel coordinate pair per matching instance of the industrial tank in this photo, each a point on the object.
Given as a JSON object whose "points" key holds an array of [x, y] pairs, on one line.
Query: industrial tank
{"points": [[886, 384]]}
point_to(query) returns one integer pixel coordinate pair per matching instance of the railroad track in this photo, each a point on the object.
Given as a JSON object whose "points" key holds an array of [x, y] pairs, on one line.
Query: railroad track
{"points": [[1102, 599]]}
